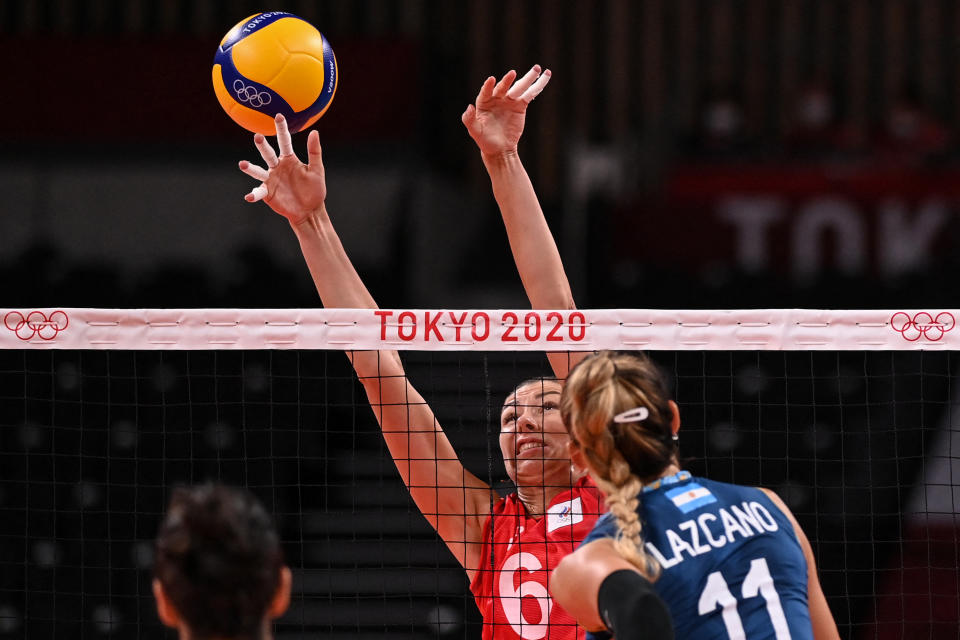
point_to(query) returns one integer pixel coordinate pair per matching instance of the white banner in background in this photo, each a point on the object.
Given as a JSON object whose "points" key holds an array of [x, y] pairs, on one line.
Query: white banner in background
{"points": [[480, 329]]}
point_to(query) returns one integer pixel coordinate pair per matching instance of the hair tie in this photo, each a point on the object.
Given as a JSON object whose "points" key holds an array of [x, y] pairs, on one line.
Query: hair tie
{"points": [[637, 414]]}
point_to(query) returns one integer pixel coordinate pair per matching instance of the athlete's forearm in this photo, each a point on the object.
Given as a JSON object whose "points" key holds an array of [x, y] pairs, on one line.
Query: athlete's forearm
{"points": [[534, 249], [424, 457], [340, 286], [334, 276]]}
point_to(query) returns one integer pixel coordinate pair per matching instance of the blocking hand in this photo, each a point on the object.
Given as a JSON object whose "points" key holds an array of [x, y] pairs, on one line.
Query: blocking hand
{"points": [[496, 120], [290, 187]]}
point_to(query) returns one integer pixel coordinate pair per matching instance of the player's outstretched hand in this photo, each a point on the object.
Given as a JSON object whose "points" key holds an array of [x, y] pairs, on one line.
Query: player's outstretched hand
{"points": [[291, 188], [495, 121]]}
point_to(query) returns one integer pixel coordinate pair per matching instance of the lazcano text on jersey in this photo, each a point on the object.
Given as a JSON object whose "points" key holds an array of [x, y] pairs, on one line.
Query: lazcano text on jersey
{"points": [[707, 531]]}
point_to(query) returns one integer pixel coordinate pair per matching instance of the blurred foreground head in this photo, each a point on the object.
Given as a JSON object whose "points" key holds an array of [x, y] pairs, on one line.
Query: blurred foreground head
{"points": [[219, 570]]}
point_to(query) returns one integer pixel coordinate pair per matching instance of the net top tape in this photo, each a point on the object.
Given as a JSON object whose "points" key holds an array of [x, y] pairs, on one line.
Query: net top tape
{"points": [[479, 330]]}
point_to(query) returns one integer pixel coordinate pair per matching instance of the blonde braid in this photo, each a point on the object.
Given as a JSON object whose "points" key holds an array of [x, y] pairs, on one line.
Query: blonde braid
{"points": [[622, 489], [595, 392]]}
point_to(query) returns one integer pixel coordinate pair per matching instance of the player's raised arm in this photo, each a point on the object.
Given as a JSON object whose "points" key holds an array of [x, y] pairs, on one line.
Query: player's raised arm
{"points": [[453, 500], [495, 122]]}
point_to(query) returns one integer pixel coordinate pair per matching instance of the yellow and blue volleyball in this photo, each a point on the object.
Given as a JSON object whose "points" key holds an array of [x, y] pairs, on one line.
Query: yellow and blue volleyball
{"points": [[272, 63]]}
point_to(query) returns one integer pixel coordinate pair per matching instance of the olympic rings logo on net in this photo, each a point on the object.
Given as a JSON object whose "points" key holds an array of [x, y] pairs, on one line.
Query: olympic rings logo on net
{"points": [[256, 98], [922, 325], [36, 323]]}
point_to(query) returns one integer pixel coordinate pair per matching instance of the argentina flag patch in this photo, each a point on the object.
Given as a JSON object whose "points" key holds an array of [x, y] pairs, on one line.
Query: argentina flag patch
{"points": [[690, 496]]}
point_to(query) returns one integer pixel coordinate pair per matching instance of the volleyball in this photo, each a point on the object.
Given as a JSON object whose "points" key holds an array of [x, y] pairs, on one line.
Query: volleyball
{"points": [[270, 63]]}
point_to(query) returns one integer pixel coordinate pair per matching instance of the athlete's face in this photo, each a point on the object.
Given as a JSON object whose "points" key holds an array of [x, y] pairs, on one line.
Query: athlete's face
{"points": [[533, 439]]}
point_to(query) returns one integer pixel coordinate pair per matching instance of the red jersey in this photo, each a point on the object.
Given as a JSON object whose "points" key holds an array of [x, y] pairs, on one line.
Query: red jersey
{"points": [[519, 552]]}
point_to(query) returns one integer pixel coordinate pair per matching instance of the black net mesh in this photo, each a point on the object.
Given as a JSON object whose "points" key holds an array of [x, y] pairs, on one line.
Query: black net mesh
{"points": [[93, 442]]}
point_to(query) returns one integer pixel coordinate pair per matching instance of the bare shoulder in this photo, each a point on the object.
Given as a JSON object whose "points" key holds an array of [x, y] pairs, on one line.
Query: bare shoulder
{"points": [[778, 501], [780, 504]]}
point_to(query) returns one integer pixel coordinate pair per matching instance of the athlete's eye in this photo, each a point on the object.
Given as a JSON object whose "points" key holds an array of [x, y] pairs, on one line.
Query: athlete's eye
{"points": [[508, 417]]}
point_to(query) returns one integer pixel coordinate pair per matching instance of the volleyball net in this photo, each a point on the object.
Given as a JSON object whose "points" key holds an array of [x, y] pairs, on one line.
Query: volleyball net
{"points": [[851, 416]]}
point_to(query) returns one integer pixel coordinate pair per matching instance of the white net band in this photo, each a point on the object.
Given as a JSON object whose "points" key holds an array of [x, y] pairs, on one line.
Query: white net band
{"points": [[486, 330]]}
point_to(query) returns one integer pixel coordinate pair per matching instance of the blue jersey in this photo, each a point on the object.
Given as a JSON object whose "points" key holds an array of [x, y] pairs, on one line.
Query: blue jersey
{"points": [[732, 565]]}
